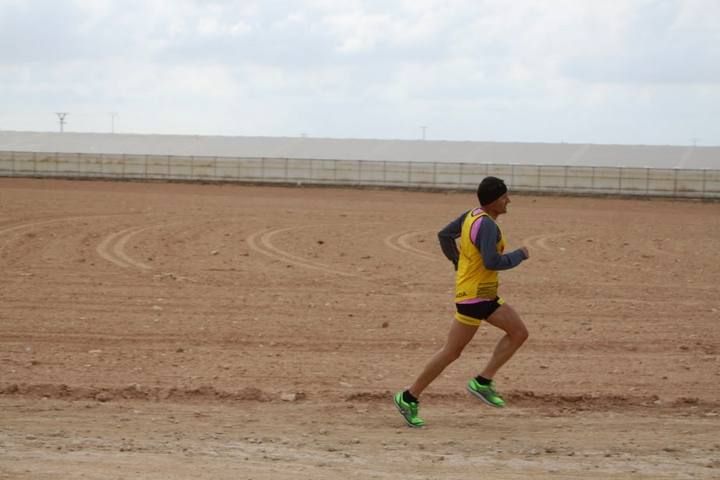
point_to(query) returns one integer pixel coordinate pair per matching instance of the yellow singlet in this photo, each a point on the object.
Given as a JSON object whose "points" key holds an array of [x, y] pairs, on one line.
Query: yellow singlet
{"points": [[473, 281]]}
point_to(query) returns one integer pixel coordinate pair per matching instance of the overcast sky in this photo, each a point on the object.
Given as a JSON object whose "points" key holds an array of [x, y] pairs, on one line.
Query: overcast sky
{"points": [[581, 71]]}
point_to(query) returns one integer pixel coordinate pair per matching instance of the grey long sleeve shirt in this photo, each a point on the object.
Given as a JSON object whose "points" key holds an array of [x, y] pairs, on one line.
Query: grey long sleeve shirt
{"points": [[486, 241]]}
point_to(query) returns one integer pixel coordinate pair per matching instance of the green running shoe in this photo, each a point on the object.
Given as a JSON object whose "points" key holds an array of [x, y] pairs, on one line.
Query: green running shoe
{"points": [[486, 393], [409, 411]]}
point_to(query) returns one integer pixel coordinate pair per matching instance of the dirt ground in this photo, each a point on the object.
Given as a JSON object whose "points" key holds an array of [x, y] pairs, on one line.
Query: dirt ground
{"points": [[157, 331]]}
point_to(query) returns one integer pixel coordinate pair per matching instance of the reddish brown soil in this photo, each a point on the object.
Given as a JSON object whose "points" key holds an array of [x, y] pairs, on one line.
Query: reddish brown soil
{"points": [[154, 330]]}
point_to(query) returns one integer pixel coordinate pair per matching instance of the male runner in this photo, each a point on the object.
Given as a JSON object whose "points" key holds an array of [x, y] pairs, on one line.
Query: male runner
{"points": [[477, 261]]}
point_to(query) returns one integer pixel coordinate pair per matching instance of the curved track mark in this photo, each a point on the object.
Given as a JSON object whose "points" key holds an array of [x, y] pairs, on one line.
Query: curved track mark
{"points": [[119, 249], [32, 224], [540, 241], [102, 249], [261, 242], [23, 226], [112, 247], [399, 242]]}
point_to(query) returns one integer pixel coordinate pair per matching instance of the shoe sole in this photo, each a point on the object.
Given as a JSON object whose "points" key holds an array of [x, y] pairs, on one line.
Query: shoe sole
{"points": [[403, 415], [485, 400]]}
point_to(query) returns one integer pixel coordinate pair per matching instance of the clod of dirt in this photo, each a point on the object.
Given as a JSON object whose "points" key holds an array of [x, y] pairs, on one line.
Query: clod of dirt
{"points": [[385, 324], [292, 397], [10, 389], [103, 397]]}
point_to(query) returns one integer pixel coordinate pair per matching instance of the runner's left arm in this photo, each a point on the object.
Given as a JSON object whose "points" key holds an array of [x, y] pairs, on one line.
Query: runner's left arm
{"points": [[487, 238]]}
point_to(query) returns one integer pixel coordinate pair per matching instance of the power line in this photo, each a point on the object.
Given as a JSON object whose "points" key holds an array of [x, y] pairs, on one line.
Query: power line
{"points": [[61, 118]]}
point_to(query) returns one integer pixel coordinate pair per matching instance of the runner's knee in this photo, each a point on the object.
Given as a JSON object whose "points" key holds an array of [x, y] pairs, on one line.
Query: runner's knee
{"points": [[520, 333], [452, 353]]}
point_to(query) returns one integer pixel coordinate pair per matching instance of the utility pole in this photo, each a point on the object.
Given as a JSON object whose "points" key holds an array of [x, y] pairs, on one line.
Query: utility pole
{"points": [[61, 118], [112, 121], [424, 129]]}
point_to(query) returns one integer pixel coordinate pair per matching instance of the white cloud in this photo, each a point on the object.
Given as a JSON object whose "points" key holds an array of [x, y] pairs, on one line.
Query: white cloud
{"points": [[468, 69]]}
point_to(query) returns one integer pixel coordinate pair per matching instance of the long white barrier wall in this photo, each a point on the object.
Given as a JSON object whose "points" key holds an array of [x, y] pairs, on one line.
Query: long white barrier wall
{"points": [[531, 178]]}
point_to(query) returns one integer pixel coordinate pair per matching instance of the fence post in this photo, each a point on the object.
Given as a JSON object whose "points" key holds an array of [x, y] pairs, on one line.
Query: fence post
{"points": [[675, 171], [647, 181], [539, 177], [704, 182]]}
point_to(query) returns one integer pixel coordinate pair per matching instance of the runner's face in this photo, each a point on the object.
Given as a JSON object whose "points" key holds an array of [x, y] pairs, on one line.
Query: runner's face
{"points": [[502, 203]]}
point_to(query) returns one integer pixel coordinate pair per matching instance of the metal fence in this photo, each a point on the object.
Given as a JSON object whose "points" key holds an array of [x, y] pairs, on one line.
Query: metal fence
{"points": [[702, 184]]}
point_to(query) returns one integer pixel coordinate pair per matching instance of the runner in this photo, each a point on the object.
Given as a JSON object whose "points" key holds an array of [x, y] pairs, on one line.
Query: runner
{"points": [[477, 262]]}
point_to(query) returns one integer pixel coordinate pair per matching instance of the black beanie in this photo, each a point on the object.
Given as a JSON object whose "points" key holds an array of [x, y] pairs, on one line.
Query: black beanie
{"points": [[490, 189]]}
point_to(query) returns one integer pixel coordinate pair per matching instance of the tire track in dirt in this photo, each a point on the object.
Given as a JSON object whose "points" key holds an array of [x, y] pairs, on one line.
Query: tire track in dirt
{"points": [[261, 242], [28, 225], [112, 248], [399, 242], [541, 242], [15, 229]]}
